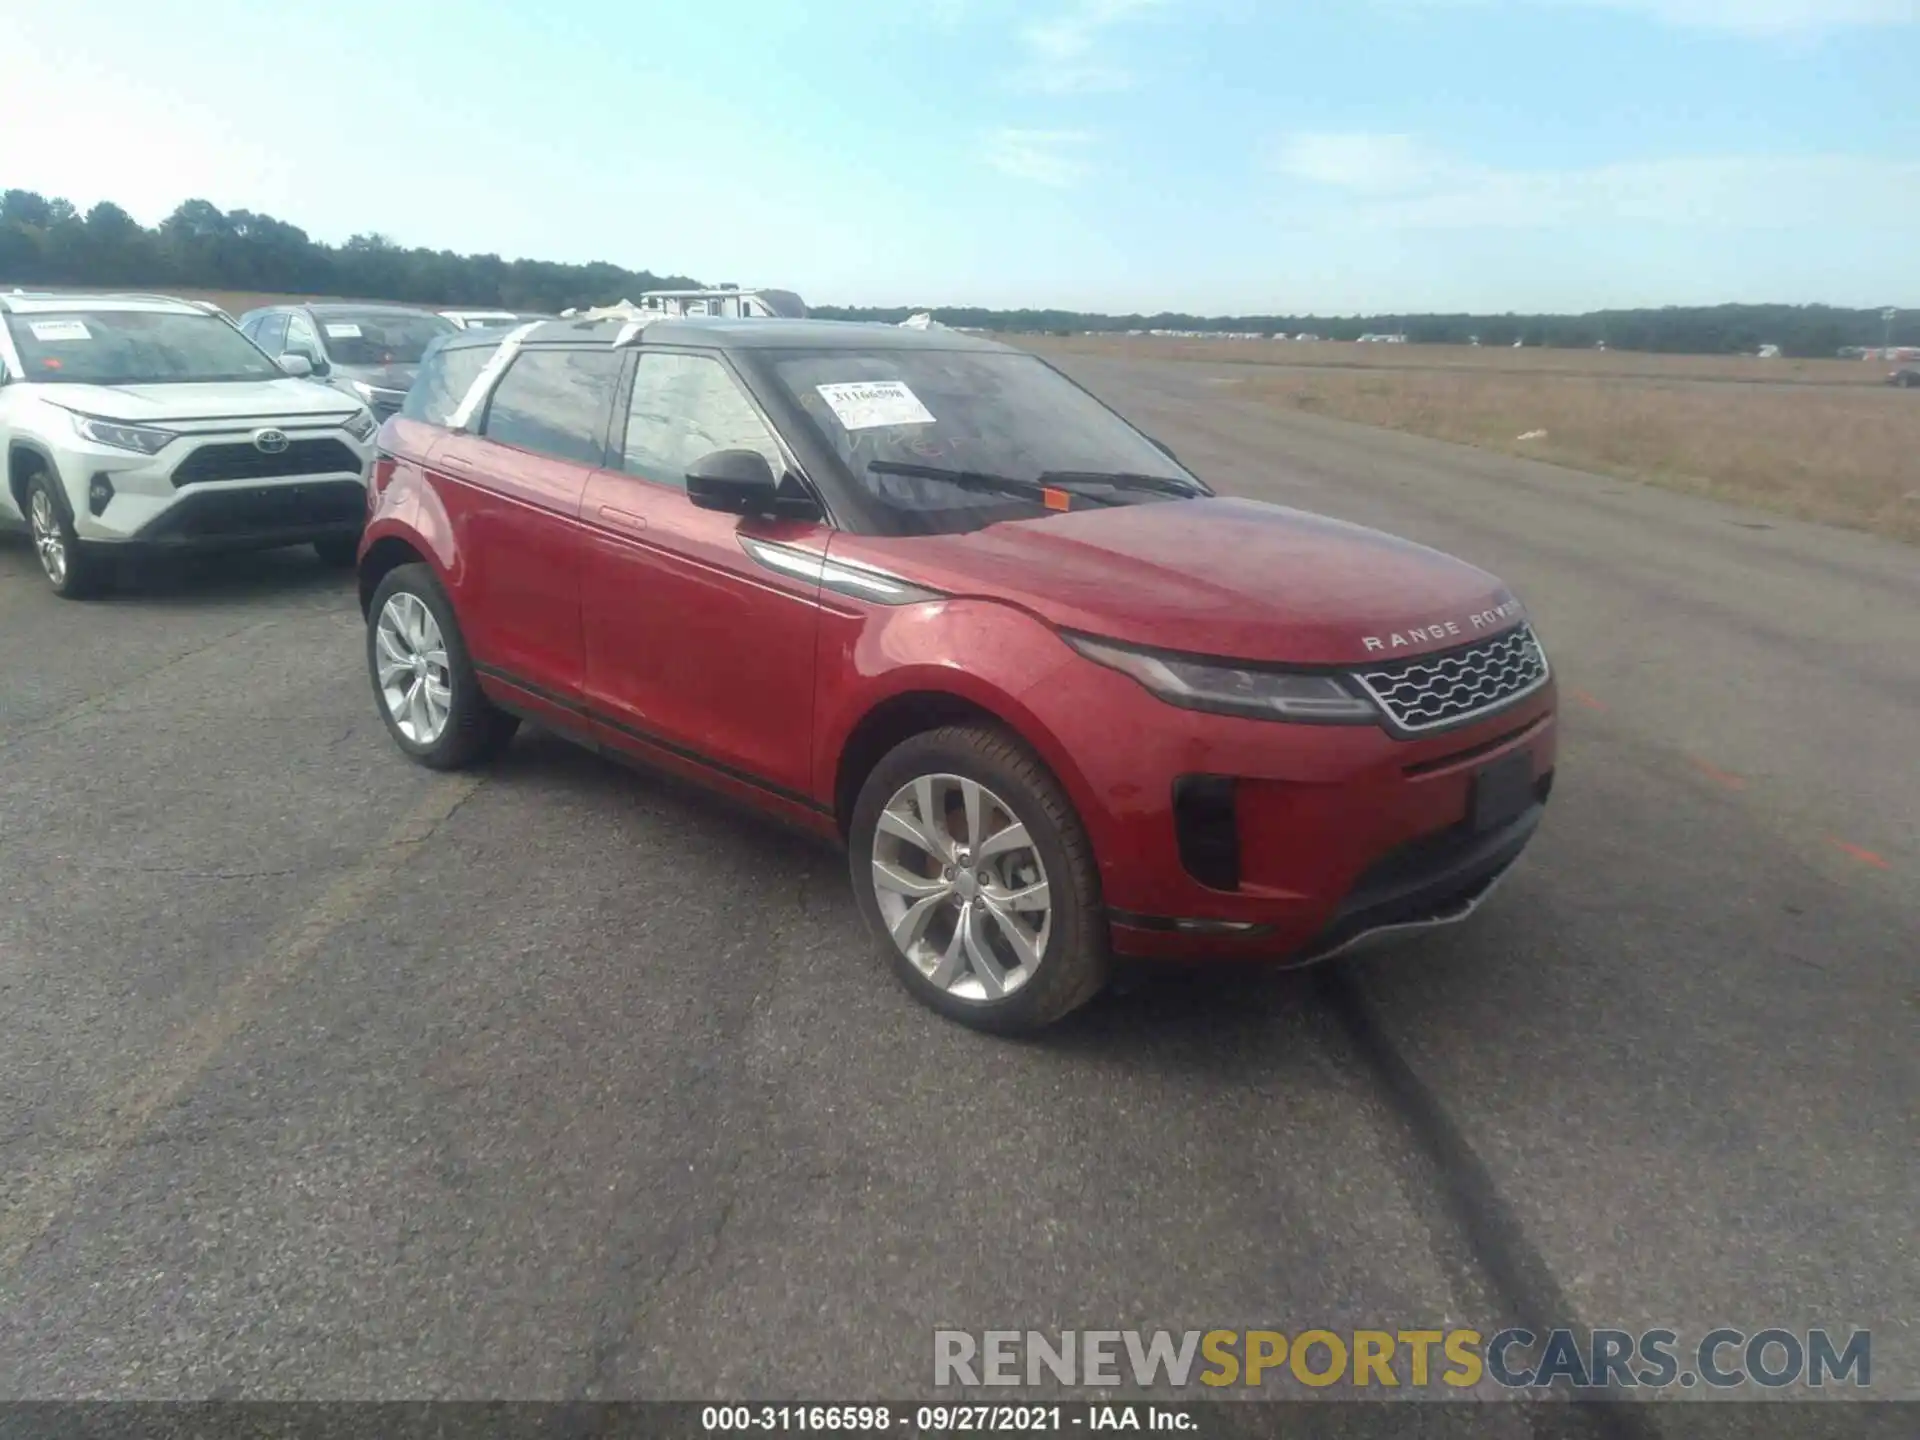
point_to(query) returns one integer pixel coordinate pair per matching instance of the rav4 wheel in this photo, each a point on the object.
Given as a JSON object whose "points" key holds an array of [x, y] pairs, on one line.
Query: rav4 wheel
{"points": [[977, 879], [423, 678], [71, 571]]}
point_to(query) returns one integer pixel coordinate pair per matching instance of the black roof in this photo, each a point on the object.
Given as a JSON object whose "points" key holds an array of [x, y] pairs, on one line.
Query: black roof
{"points": [[743, 334]]}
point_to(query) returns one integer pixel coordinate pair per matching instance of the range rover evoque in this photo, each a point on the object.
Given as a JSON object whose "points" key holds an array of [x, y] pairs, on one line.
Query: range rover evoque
{"points": [[133, 424], [919, 592]]}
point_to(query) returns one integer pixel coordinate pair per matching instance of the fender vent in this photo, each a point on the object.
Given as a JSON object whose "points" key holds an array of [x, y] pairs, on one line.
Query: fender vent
{"points": [[1206, 829]]}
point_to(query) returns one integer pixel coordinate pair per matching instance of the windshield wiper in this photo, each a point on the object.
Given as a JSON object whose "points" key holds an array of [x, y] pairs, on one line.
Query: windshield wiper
{"points": [[1122, 480], [980, 480]]}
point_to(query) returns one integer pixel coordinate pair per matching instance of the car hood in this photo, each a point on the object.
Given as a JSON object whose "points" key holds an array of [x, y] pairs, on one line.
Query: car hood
{"points": [[1223, 577], [245, 399], [384, 377]]}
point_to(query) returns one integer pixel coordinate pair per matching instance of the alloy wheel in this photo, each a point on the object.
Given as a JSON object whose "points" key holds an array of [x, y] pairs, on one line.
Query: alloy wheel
{"points": [[961, 887], [48, 541], [415, 683]]}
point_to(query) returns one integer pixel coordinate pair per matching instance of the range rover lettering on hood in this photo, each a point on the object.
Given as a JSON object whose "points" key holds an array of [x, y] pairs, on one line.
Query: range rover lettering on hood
{"points": [[1479, 623]]}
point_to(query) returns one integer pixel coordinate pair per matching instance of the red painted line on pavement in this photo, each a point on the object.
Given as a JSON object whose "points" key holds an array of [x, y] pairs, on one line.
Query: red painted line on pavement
{"points": [[1864, 856], [1587, 700], [1717, 775]]}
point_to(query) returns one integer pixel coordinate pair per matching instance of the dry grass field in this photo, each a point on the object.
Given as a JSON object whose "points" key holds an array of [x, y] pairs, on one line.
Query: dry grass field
{"points": [[1826, 441]]}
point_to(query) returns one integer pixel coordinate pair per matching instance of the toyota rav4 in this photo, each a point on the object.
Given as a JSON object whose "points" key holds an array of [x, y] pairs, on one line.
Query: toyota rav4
{"points": [[921, 593], [136, 423]]}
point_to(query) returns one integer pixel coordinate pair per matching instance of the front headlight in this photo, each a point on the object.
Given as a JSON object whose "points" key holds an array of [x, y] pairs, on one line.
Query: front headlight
{"points": [[145, 439], [1229, 690], [365, 391], [361, 426]]}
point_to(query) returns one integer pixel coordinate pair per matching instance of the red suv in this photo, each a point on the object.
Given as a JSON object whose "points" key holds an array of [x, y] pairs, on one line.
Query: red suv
{"points": [[919, 592]]}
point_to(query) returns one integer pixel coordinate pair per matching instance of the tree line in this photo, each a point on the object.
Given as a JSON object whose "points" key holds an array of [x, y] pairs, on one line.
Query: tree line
{"points": [[1800, 330], [48, 241]]}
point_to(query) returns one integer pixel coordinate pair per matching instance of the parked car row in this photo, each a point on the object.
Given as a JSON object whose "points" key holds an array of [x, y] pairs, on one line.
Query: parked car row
{"points": [[906, 587], [133, 424]]}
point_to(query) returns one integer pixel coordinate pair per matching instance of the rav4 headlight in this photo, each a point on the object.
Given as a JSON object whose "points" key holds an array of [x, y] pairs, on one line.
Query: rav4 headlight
{"points": [[145, 439], [1200, 684], [361, 426]]}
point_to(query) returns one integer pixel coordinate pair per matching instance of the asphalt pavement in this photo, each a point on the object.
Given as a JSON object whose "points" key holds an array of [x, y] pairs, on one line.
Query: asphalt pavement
{"points": [[324, 1076]]}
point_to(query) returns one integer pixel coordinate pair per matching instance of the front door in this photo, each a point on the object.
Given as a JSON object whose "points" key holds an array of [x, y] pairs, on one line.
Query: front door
{"points": [[692, 644]]}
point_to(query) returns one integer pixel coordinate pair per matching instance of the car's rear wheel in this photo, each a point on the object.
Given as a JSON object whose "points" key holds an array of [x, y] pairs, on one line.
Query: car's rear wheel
{"points": [[73, 573], [424, 680], [978, 881]]}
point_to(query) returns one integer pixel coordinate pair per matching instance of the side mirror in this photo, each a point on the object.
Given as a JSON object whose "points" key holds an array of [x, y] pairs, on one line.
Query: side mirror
{"points": [[739, 482], [296, 364]]}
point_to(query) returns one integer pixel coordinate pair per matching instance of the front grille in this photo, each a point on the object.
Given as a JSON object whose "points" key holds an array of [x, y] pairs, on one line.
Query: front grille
{"points": [[241, 461], [1439, 690]]}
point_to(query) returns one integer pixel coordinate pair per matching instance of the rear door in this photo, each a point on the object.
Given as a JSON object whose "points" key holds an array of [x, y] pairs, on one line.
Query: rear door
{"points": [[512, 492], [691, 643]]}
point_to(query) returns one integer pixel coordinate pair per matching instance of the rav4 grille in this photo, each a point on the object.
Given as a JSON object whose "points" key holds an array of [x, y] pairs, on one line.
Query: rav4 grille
{"points": [[243, 462], [1437, 690]]}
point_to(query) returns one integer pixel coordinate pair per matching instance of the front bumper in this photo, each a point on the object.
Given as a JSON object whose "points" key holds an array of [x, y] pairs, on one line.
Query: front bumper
{"points": [[1225, 837], [257, 517], [193, 495]]}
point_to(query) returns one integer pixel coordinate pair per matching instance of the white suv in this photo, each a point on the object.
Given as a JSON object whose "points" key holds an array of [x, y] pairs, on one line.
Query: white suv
{"points": [[137, 422]]}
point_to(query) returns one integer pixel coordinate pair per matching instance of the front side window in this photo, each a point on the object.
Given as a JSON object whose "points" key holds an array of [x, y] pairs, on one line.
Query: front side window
{"points": [[134, 347], [685, 407], [445, 377], [972, 418], [555, 402], [381, 337]]}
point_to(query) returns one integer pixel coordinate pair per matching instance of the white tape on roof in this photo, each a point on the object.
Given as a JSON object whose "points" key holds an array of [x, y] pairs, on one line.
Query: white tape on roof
{"points": [[490, 372]]}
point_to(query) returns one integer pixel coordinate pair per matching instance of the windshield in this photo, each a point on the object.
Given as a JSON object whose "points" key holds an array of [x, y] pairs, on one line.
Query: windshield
{"points": [[380, 337], [899, 418], [134, 347]]}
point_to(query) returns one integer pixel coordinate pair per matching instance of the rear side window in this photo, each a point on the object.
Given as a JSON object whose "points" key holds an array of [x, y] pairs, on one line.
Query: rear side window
{"points": [[445, 378], [555, 402], [685, 407]]}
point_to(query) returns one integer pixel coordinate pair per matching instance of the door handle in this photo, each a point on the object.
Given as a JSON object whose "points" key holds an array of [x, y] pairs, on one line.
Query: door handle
{"points": [[623, 519], [453, 462]]}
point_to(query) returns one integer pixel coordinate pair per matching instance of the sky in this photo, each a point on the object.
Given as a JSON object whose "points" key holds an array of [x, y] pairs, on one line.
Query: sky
{"points": [[1209, 156]]}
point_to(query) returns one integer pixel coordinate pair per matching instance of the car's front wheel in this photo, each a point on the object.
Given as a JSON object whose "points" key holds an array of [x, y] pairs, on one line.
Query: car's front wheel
{"points": [[978, 880], [424, 680], [72, 571]]}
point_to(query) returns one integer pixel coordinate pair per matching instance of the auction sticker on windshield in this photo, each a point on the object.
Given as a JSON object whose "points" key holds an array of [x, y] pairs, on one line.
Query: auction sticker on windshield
{"points": [[45, 330], [343, 332], [869, 404]]}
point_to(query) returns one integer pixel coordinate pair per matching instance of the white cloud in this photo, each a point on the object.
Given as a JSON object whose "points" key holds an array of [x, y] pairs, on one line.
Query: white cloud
{"points": [[1064, 54], [1367, 163], [1746, 17], [1045, 157], [1395, 182]]}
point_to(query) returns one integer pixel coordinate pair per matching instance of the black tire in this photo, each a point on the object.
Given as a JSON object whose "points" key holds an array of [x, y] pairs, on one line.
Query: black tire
{"points": [[1074, 965], [476, 729], [338, 552], [84, 575]]}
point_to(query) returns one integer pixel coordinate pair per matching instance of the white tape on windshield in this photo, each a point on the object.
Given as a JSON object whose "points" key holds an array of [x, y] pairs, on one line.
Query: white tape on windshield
{"points": [[482, 384], [342, 331], [50, 330], [871, 404]]}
